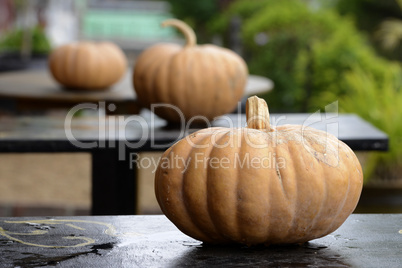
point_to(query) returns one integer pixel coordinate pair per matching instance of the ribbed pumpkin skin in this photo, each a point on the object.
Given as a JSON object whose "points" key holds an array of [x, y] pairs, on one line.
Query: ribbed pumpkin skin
{"points": [[203, 80], [298, 193], [87, 65]]}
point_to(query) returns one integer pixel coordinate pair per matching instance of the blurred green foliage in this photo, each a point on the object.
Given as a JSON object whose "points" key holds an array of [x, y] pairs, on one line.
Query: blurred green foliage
{"points": [[305, 51], [12, 41], [368, 16], [379, 102], [196, 13], [368, 13]]}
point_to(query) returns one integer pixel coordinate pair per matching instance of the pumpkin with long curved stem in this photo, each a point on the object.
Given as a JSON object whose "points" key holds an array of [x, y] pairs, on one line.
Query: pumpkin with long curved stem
{"points": [[195, 81], [258, 185], [87, 65]]}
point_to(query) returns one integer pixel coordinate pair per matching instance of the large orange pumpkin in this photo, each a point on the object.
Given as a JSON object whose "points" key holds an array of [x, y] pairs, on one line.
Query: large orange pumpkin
{"points": [[200, 80], [260, 184], [87, 65]]}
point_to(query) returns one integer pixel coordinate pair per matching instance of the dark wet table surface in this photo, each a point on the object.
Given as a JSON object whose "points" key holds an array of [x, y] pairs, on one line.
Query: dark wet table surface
{"points": [[364, 240]]}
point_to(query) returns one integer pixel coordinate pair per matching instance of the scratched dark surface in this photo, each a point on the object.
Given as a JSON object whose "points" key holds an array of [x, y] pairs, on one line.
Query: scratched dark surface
{"points": [[364, 240]]}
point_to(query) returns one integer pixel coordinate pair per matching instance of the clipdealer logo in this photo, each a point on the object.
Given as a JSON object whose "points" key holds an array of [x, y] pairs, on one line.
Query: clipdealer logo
{"points": [[113, 132]]}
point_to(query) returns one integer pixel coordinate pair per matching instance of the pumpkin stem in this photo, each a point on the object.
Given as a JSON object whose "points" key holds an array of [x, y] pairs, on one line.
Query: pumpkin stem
{"points": [[257, 114], [189, 35]]}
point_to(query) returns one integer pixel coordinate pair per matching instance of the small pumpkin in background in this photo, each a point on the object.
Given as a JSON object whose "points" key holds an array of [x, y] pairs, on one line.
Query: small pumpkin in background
{"points": [[87, 65], [200, 80], [258, 185]]}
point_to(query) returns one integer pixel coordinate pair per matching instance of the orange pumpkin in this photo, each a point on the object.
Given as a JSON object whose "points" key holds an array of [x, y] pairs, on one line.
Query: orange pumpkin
{"points": [[201, 81], [260, 184], [87, 65]]}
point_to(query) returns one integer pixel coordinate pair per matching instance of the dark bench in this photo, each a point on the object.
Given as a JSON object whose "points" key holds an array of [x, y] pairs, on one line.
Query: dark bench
{"points": [[114, 150]]}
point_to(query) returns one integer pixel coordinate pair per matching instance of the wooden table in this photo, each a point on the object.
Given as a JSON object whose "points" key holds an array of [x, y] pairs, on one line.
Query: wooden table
{"points": [[37, 90], [364, 240], [115, 141]]}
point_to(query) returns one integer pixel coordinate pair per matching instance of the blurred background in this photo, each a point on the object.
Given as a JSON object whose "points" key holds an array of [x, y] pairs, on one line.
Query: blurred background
{"points": [[315, 52]]}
